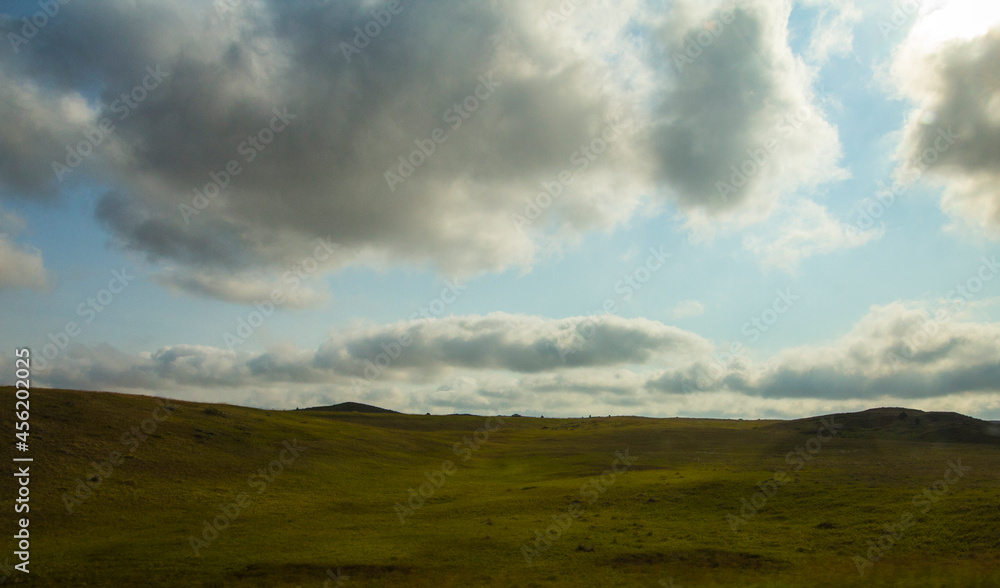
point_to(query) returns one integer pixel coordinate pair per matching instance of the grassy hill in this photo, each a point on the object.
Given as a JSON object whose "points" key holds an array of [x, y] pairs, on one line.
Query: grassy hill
{"points": [[351, 407], [907, 424], [216, 495]]}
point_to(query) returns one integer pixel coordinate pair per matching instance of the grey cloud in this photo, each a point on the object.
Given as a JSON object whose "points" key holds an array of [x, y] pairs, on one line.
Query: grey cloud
{"points": [[349, 121], [732, 87], [243, 289], [37, 127], [954, 135], [216, 243], [828, 382], [513, 343], [324, 174], [899, 350]]}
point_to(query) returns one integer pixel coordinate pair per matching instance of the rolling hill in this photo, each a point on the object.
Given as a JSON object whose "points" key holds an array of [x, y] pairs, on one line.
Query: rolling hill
{"points": [[137, 491], [907, 424]]}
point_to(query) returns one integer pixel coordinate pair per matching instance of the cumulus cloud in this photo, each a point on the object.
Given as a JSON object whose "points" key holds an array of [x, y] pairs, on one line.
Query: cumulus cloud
{"points": [[947, 68], [513, 110], [902, 350], [38, 125], [736, 125], [805, 229], [267, 125]]}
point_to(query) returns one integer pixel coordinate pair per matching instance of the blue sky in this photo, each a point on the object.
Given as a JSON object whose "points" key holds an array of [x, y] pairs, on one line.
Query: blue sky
{"points": [[874, 101]]}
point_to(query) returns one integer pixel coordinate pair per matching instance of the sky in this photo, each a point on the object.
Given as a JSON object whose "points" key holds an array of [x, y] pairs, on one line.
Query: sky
{"points": [[738, 209]]}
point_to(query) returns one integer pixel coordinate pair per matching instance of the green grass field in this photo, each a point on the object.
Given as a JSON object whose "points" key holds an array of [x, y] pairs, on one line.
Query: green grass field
{"points": [[666, 518]]}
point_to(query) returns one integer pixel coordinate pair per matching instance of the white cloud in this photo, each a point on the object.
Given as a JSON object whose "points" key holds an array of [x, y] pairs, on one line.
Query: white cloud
{"points": [[833, 33], [805, 229], [21, 266], [947, 68], [688, 309]]}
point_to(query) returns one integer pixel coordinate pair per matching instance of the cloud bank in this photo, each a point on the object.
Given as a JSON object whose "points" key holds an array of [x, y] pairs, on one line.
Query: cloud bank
{"points": [[902, 353]]}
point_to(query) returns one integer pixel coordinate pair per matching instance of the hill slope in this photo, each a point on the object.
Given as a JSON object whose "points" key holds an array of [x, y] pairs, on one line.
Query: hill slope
{"points": [[126, 492], [906, 424]]}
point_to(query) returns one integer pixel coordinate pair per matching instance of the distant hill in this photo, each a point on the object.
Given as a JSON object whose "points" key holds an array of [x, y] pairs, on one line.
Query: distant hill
{"points": [[905, 424], [352, 407]]}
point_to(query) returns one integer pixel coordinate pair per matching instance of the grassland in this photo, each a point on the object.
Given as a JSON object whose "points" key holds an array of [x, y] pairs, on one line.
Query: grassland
{"points": [[665, 519]]}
